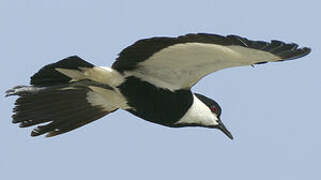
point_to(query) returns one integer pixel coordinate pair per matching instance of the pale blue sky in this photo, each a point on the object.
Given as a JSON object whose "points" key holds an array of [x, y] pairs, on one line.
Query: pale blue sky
{"points": [[272, 110]]}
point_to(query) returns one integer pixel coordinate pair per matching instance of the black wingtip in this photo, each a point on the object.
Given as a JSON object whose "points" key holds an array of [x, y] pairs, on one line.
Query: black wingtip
{"points": [[294, 53], [34, 133], [8, 93], [306, 51], [56, 111], [13, 91]]}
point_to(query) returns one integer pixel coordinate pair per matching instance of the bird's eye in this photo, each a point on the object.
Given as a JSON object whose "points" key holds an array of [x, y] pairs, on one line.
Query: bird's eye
{"points": [[213, 109]]}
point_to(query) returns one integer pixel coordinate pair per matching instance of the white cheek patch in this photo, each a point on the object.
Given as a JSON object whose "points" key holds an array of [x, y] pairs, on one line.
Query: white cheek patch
{"points": [[200, 114]]}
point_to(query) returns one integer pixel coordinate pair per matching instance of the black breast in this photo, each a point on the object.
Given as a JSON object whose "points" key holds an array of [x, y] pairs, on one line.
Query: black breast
{"points": [[154, 104]]}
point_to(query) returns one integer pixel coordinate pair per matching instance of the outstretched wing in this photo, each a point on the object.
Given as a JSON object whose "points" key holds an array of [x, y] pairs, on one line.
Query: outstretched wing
{"points": [[64, 96], [179, 63]]}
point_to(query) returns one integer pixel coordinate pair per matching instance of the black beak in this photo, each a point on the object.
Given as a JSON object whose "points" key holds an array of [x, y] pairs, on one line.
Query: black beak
{"points": [[221, 127]]}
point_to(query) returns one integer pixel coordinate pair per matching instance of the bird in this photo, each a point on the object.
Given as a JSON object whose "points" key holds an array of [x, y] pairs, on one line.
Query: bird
{"points": [[151, 79]]}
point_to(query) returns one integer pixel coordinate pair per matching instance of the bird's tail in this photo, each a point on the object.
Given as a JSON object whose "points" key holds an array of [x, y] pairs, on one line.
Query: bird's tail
{"points": [[63, 96]]}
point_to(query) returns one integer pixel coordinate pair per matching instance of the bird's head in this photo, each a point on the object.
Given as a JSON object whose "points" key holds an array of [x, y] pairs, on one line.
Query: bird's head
{"points": [[215, 110]]}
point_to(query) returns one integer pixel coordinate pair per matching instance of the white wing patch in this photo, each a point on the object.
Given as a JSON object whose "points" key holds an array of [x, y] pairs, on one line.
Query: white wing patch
{"points": [[108, 99], [99, 74], [182, 65]]}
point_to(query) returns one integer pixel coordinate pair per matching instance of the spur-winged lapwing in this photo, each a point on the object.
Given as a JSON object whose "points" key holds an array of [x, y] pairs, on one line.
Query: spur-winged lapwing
{"points": [[151, 79]]}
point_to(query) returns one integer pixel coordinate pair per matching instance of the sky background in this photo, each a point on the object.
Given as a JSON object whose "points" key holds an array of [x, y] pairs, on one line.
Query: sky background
{"points": [[272, 110]]}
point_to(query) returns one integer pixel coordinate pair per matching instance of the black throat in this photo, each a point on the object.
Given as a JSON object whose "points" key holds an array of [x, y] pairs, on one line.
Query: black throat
{"points": [[154, 104]]}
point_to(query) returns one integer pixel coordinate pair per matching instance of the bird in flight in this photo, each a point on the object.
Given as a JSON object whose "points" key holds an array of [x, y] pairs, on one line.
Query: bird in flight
{"points": [[151, 79]]}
